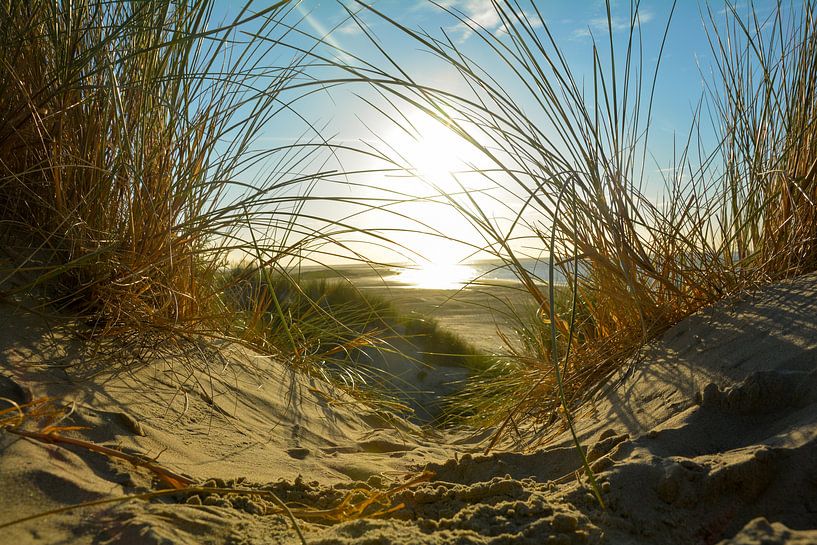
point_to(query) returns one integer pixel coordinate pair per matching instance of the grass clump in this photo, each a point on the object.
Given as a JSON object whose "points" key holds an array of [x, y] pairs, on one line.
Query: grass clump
{"points": [[763, 91], [346, 334], [126, 129], [122, 128], [571, 155], [342, 316]]}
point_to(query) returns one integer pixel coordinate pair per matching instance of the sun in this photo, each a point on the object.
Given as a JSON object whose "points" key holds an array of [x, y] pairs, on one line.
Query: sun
{"points": [[447, 172], [434, 153], [437, 276], [435, 157]]}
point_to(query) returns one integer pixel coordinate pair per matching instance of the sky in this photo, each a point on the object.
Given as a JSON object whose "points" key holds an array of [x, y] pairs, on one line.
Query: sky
{"points": [[573, 24], [347, 115]]}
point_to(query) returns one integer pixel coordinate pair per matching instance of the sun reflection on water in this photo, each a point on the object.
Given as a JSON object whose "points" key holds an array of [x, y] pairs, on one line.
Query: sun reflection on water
{"points": [[437, 276]]}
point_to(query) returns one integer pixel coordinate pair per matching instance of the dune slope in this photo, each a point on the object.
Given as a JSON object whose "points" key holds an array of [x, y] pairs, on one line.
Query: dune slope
{"points": [[709, 437]]}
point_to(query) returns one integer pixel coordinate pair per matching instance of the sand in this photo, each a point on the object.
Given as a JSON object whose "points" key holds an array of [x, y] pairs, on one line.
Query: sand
{"points": [[481, 313], [465, 312], [710, 436]]}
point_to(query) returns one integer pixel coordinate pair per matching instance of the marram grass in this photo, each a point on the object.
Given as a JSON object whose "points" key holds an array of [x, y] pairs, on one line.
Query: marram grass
{"points": [[114, 178], [572, 154], [127, 131]]}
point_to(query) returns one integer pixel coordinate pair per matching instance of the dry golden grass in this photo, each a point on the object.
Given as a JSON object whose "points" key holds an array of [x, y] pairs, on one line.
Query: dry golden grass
{"points": [[125, 130], [573, 157], [122, 128]]}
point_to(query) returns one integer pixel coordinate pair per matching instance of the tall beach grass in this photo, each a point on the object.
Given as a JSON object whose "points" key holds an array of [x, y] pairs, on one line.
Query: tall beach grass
{"points": [[572, 155], [132, 177], [123, 126]]}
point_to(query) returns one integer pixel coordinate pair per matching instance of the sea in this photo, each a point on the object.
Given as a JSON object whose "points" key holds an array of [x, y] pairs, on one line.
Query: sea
{"points": [[434, 276]]}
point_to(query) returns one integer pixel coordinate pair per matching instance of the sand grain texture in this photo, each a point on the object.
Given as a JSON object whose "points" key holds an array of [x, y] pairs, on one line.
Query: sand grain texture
{"points": [[710, 437]]}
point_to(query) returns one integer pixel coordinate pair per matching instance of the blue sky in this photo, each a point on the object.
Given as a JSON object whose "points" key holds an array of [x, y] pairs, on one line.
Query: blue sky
{"points": [[573, 24], [344, 116]]}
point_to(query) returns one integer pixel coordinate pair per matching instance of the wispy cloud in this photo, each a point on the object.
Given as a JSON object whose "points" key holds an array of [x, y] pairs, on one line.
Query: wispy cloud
{"points": [[322, 32], [618, 23], [736, 6], [481, 13], [350, 28]]}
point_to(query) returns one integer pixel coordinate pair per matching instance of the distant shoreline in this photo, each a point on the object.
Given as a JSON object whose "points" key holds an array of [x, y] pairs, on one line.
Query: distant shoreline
{"points": [[466, 312]]}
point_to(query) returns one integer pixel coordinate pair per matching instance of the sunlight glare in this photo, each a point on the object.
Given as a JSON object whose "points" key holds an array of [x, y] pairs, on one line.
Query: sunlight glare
{"points": [[435, 153], [437, 276], [440, 268]]}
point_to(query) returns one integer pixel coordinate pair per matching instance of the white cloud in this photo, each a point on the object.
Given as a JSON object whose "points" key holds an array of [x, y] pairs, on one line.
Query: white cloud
{"points": [[482, 12], [350, 28], [618, 23]]}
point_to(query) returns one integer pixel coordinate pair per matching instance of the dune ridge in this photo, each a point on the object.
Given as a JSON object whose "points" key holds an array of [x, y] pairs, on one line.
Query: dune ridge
{"points": [[709, 436]]}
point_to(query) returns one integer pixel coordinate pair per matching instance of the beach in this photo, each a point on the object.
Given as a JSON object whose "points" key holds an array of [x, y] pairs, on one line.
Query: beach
{"points": [[481, 313], [458, 272], [709, 436]]}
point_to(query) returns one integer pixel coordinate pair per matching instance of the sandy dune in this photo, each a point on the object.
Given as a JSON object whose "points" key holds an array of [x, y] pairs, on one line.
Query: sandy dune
{"points": [[710, 437]]}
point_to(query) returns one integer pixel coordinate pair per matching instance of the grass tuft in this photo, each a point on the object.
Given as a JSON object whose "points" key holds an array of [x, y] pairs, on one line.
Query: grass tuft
{"points": [[122, 126], [567, 161]]}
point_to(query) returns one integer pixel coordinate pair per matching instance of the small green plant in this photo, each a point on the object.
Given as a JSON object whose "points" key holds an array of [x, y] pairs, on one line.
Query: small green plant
{"points": [[341, 331]]}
